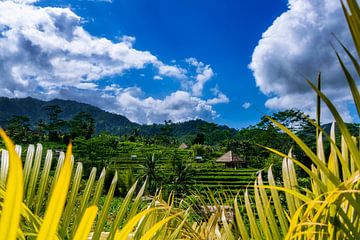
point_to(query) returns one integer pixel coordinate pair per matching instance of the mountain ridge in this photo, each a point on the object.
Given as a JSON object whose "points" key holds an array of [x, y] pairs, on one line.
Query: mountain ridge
{"points": [[105, 121]]}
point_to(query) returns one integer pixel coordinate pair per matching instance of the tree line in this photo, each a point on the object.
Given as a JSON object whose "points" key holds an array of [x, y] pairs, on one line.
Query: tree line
{"points": [[52, 129]]}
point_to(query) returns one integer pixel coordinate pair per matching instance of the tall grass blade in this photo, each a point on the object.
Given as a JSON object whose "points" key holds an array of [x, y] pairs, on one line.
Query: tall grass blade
{"points": [[239, 221], [59, 165], [122, 210], [342, 126], [268, 210], [277, 203], [4, 166], [84, 200], [34, 176], [123, 234], [82, 232], [70, 205], [10, 212], [261, 213], [105, 209], [28, 164], [149, 234], [43, 182], [353, 20], [56, 204], [99, 188], [255, 232], [352, 84]]}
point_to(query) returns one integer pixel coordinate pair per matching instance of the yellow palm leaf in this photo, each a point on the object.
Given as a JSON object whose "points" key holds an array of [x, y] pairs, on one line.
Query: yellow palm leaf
{"points": [[10, 215], [82, 233]]}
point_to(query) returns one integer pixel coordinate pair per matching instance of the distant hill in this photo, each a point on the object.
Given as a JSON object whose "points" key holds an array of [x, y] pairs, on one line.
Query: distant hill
{"points": [[106, 121], [35, 110]]}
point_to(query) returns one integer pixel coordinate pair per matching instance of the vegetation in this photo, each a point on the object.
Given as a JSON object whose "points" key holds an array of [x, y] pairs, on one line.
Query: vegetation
{"points": [[45, 202], [59, 114]]}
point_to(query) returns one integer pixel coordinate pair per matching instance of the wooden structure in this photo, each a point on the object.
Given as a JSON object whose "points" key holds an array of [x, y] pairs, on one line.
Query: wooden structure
{"points": [[230, 159], [183, 146]]}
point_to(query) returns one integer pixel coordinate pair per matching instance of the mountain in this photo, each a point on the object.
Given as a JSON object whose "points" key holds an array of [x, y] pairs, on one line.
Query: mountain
{"points": [[36, 109], [110, 122]]}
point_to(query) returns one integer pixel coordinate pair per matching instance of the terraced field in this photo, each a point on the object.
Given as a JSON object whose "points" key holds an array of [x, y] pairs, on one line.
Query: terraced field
{"points": [[221, 178], [207, 175]]}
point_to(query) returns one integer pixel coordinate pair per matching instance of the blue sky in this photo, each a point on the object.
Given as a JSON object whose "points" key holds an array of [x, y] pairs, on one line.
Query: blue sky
{"points": [[224, 61]]}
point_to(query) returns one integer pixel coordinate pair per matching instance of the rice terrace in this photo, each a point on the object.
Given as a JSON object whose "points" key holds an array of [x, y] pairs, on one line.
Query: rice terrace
{"points": [[179, 119]]}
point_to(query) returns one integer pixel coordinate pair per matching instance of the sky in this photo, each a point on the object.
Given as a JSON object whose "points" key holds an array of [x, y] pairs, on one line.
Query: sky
{"points": [[224, 61]]}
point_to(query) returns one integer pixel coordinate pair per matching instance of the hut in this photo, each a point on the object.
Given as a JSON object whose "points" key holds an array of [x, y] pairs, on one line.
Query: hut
{"points": [[230, 159], [183, 146]]}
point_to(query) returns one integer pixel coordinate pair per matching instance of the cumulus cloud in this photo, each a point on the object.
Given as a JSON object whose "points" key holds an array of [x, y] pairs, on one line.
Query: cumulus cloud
{"points": [[219, 97], [133, 103], [157, 77], [203, 74], [246, 105], [44, 47], [178, 106], [297, 46], [46, 53], [171, 71]]}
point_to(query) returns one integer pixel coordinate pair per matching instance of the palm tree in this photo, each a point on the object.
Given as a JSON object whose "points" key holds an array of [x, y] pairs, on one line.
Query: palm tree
{"points": [[181, 176], [149, 172]]}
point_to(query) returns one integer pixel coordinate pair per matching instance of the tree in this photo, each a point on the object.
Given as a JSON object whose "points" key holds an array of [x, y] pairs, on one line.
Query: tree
{"points": [[54, 124], [82, 125], [149, 172], [165, 137], [97, 151], [199, 139], [182, 175], [18, 128], [248, 141], [40, 130], [293, 119]]}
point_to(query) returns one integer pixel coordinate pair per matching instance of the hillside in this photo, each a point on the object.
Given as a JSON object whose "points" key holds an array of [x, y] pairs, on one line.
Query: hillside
{"points": [[105, 121], [186, 131], [35, 110]]}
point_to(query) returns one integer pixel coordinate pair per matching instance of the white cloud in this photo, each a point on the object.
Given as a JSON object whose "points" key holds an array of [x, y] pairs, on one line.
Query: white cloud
{"points": [[298, 45], [246, 105], [25, 1], [46, 53], [43, 47], [128, 40], [178, 106], [171, 71], [133, 103], [157, 77], [203, 74], [219, 97]]}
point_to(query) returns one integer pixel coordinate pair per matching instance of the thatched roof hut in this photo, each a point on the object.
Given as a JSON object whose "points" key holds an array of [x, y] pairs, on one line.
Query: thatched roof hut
{"points": [[183, 146], [230, 159]]}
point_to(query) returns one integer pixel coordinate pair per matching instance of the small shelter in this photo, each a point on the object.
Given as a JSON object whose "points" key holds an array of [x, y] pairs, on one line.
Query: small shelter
{"points": [[231, 159], [183, 146]]}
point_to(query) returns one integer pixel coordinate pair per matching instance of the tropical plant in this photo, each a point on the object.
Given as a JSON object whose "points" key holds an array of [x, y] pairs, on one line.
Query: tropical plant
{"points": [[329, 208], [35, 205], [149, 171]]}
